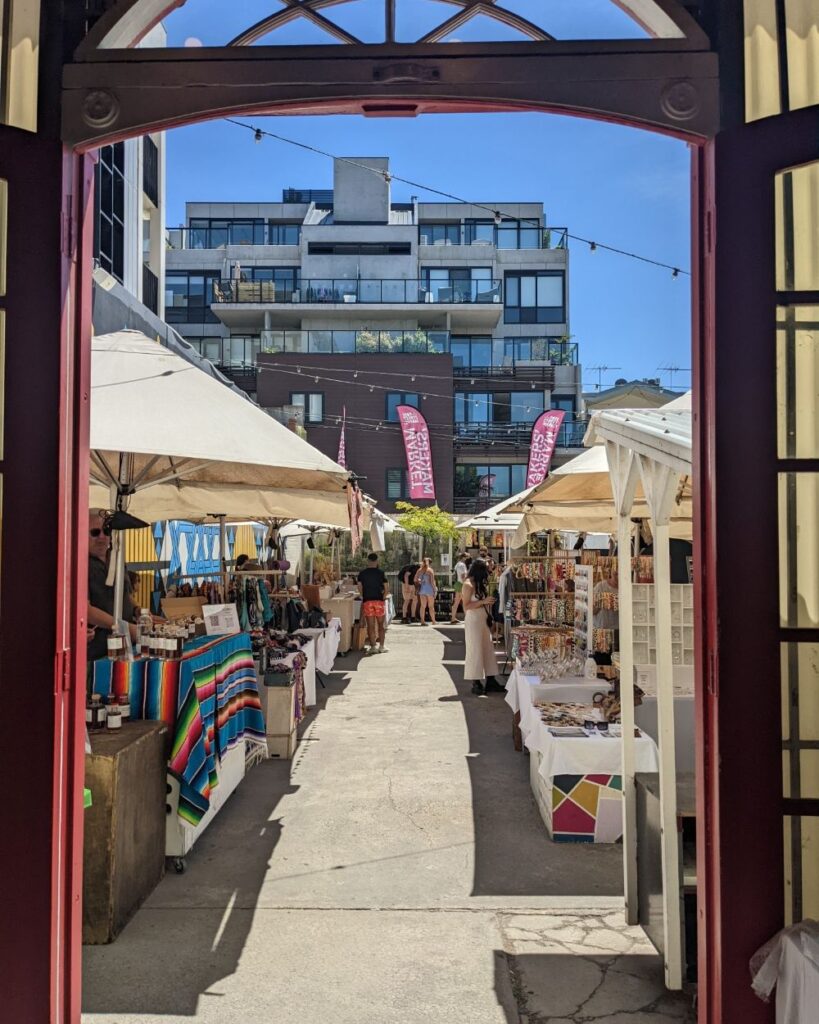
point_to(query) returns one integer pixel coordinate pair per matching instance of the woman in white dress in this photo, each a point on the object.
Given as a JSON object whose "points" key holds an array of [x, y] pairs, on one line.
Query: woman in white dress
{"points": [[480, 665]]}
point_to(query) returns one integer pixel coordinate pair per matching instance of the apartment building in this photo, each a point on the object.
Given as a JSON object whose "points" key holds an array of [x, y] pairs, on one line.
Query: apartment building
{"points": [[129, 229], [341, 299]]}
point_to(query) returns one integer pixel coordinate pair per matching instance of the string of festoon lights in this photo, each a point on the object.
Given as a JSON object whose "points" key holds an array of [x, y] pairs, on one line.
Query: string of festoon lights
{"points": [[318, 374], [261, 133]]}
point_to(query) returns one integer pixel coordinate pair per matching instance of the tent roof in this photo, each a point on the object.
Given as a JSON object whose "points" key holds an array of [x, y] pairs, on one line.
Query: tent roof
{"points": [[195, 448], [661, 434]]}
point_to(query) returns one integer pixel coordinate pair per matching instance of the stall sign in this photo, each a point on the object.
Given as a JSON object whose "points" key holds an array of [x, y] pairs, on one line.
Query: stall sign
{"points": [[543, 443], [419, 454], [221, 619]]}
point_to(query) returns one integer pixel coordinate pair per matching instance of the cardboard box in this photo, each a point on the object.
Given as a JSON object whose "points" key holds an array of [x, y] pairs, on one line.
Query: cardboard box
{"points": [[182, 607]]}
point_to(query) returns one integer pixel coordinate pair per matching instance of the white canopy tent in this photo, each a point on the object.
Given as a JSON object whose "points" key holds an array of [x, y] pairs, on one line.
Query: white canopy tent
{"points": [[649, 450], [170, 442], [173, 443], [578, 495]]}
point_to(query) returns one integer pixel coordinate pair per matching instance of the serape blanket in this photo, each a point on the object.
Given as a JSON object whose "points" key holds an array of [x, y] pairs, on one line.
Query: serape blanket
{"points": [[213, 691]]}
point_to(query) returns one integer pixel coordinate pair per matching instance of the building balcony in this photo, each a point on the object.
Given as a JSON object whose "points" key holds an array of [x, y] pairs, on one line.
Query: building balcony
{"points": [[471, 505], [356, 342], [513, 435], [472, 305]]}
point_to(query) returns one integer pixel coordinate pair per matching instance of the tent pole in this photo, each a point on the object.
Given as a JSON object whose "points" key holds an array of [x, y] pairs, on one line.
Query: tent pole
{"points": [[223, 554], [627, 716]]}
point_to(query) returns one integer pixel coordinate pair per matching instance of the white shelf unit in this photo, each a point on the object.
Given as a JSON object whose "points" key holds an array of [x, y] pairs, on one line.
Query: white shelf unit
{"points": [[682, 624], [582, 605]]}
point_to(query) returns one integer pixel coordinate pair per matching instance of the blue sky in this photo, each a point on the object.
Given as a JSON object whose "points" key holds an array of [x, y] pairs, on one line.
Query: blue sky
{"points": [[616, 185]]}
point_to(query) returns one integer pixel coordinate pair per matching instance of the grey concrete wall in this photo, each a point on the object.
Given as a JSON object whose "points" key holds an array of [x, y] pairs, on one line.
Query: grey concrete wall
{"points": [[360, 194]]}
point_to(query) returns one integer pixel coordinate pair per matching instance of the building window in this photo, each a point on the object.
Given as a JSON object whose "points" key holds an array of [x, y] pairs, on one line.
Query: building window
{"points": [[150, 169], [471, 352], [211, 232], [188, 296], [516, 234], [210, 348], [396, 398], [359, 248], [397, 484], [498, 407], [283, 234], [459, 284], [109, 222], [241, 350], [491, 481], [479, 231], [312, 402], [535, 297], [439, 234]]}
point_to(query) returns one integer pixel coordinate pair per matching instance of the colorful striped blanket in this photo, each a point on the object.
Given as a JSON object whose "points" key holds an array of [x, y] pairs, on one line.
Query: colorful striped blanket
{"points": [[210, 701]]}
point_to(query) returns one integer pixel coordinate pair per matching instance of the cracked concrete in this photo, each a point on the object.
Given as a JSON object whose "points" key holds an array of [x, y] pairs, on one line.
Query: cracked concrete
{"points": [[396, 872]]}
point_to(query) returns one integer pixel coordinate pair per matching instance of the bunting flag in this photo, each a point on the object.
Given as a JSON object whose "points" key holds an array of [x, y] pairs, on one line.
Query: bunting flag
{"points": [[542, 445], [342, 441], [419, 454]]}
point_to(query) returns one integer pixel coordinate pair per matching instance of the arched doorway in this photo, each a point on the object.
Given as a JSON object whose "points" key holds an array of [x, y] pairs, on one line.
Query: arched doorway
{"points": [[748, 142]]}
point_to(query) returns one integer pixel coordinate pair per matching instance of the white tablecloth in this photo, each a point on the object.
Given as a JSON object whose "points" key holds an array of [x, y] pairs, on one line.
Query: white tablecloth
{"points": [[573, 755], [327, 644], [569, 688]]}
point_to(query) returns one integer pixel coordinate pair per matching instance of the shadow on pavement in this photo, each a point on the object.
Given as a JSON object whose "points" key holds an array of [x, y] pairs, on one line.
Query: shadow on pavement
{"points": [[202, 918], [514, 855]]}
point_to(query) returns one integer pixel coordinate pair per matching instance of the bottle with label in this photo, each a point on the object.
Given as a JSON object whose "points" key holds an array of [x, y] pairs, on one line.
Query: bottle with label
{"points": [[125, 708], [116, 644], [94, 713], [113, 716], [145, 625]]}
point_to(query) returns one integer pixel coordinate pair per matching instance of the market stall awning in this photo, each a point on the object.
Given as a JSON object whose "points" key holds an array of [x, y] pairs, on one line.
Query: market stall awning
{"points": [[578, 495], [181, 445]]}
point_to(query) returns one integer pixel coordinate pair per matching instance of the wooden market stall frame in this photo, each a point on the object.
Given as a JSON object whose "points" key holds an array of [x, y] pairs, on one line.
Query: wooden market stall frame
{"points": [[651, 447]]}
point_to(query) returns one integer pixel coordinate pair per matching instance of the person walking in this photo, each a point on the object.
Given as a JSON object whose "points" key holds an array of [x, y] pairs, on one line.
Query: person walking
{"points": [[425, 578], [409, 591], [460, 576], [373, 587], [480, 664]]}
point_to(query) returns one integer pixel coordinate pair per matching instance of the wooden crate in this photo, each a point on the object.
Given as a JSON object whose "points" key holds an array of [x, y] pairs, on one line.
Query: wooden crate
{"points": [[124, 846]]}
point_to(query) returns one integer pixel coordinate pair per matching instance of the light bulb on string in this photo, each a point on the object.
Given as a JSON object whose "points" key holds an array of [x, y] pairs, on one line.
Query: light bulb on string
{"points": [[257, 135], [298, 369], [675, 272], [372, 388], [316, 379], [592, 246], [355, 374], [533, 385]]}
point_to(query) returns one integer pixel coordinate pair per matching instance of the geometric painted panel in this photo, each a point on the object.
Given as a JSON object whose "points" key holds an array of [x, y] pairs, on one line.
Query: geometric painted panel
{"points": [[586, 808]]}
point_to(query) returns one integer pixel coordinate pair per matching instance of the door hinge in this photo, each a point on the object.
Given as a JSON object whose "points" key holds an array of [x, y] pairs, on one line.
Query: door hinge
{"points": [[69, 231], [62, 671]]}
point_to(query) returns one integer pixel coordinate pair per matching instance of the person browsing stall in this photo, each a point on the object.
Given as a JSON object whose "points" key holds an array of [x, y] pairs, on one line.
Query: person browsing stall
{"points": [[409, 593], [461, 570], [100, 594], [373, 587]]}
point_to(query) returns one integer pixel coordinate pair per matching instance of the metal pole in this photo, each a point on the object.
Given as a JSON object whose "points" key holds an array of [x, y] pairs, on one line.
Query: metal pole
{"points": [[627, 716], [223, 554]]}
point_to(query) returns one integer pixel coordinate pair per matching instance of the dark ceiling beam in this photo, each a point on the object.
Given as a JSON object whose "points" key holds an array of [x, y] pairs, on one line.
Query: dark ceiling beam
{"points": [[121, 93]]}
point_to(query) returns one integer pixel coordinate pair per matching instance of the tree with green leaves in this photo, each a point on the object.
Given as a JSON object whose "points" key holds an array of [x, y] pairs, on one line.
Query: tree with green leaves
{"points": [[432, 524]]}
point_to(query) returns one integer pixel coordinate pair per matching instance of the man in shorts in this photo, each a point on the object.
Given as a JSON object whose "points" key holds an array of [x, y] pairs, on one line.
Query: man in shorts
{"points": [[372, 585], [409, 592]]}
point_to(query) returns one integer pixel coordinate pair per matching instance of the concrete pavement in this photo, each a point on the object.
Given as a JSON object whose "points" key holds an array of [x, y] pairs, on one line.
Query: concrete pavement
{"points": [[396, 871]]}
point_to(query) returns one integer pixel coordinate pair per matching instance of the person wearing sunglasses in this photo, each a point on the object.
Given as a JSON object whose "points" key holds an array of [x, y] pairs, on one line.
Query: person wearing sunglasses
{"points": [[100, 595]]}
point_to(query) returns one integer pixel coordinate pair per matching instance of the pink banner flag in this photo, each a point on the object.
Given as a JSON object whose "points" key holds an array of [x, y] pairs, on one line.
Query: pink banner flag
{"points": [[419, 454], [342, 441], [544, 440]]}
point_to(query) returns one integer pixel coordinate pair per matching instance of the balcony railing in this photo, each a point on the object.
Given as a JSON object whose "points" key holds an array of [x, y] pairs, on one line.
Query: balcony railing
{"points": [[341, 291], [503, 238], [238, 232], [515, 434], [356, 342]]}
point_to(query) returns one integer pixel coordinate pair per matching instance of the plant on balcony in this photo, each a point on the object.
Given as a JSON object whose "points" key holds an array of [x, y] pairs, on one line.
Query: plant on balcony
{"points": [[366, 341], [392, 341], [416, 341]]}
